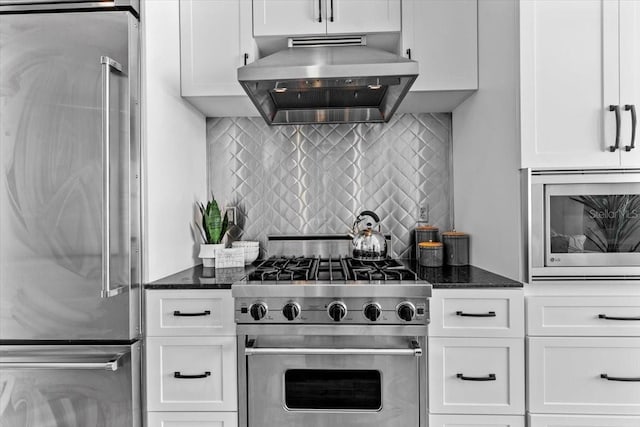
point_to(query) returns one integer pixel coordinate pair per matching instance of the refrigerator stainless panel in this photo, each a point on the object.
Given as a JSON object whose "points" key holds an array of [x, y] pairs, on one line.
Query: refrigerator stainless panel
{"points": [[18, 6], [68, 386], [51, 177]]}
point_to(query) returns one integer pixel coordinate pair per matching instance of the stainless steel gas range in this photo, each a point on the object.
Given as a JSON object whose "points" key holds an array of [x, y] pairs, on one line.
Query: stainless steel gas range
{"points": [[331, 341]]}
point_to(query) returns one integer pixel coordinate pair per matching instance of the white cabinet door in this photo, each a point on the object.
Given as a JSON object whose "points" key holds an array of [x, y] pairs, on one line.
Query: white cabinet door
{"points": [[206, 312], [215, 36], [569, 69], [476, 376], [289, 18], [583, 316], [362, 16], [476, 421], [191, 374], [442, 35], [477, 313], [590, 375], [536, 420], [629, 78], [192, 419]]}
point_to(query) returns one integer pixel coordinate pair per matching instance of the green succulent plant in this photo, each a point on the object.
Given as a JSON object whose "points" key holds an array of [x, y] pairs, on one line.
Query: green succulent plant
{"points": [[214, 225]]}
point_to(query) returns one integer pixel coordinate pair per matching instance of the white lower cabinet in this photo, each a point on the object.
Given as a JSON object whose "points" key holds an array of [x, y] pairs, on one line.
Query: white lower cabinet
{"points": [[476, 375], [582, 421], [584, 375], [192, 419], [191, 374], [190, 361], [476, 420]]}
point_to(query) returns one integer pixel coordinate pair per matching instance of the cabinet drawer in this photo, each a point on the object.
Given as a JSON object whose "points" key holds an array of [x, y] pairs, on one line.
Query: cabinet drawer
{"points": [[476, 420], [191, 374], [588, 315], [189, 313], [582, 421], [192, 419], [565, 375], [476, 375], [477, 313]]}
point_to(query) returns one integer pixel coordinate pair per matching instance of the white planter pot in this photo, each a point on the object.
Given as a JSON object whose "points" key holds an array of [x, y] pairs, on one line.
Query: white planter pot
{"points": [[208, 254]]}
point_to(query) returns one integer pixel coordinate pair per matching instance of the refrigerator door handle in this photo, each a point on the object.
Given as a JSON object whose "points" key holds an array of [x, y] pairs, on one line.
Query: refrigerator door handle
{"points": [[107, 65], [113, 363]]}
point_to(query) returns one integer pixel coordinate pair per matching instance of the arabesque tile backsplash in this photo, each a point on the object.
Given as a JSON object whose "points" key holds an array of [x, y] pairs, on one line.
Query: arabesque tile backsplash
{"points": [[315, 178]]}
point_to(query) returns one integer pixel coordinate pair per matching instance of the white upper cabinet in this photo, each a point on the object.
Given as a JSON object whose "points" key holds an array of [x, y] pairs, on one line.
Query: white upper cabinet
{"points": [[579, 63], [320, 17], [442, 35], [363, 16], [215, 39], [629, 79]]}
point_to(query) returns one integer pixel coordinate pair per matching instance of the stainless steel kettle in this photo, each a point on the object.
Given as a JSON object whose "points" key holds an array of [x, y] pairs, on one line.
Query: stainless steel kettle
{"points": [[368, 244]]}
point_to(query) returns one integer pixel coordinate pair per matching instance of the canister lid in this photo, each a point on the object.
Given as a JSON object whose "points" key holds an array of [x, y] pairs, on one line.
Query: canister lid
{"points": [[455, 234], [426, 228], [430, 244]]}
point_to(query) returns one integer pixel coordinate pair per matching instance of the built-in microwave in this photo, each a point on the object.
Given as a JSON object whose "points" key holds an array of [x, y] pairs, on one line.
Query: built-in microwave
{"points": [[584, 224]]}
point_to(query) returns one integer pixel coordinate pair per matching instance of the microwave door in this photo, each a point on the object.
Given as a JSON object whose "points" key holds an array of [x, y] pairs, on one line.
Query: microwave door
{"points": [[71, 386], [592, 224]]}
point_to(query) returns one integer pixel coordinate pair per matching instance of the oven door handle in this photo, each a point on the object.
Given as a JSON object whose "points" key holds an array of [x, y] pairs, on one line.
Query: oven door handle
{"points": [[413, 350]]}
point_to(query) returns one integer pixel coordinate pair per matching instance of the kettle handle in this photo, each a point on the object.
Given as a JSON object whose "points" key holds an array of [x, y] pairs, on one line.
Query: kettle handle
{"points": [[372, 214]]}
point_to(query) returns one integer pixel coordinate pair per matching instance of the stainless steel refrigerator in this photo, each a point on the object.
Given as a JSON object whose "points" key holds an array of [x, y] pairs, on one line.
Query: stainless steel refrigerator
{"points": [[69, 214]]}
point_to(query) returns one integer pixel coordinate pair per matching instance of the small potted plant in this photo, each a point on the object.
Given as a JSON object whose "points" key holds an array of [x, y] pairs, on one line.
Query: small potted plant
{"points": [[212, 231]]}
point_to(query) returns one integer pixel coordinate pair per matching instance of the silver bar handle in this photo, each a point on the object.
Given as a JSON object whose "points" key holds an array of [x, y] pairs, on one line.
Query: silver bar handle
{"points": [[112, 364], [413, 350], [107, 65]]}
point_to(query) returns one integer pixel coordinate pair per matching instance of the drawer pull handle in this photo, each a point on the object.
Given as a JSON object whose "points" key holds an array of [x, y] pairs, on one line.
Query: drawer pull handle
{"points": [[181, 314], [177, 374], [628, 379], [490, 377], [604, 316], [463, 314]]}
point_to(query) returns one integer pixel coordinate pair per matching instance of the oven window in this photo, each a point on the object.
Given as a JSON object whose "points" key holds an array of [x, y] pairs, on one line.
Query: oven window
{"points": [[333, 389], [595, 223]]}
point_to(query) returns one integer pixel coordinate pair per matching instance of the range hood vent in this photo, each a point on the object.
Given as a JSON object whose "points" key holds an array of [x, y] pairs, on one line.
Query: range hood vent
{"points": [[328, 80], [327, 41]]}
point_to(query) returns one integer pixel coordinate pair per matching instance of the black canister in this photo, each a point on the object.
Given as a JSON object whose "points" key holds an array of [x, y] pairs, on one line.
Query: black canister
{"points": [[431, 254], [456, 248], [425, 233]]}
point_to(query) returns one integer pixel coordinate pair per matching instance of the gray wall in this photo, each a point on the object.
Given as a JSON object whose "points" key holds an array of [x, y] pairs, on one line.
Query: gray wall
{"points": [[316, 178]]}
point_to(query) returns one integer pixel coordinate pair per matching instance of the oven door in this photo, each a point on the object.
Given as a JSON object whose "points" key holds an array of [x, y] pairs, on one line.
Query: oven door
{"points": [[344, 381]]}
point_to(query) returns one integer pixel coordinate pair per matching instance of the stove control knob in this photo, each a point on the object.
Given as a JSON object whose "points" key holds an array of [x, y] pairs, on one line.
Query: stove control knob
{"points": [[291, 310], [337, 310], [258, 310], [406, 311], [372, 311]]}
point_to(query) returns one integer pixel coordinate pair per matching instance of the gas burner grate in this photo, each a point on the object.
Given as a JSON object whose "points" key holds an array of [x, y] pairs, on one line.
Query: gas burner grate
{"points": [[331, 270], [285, 268], [380, 270]]}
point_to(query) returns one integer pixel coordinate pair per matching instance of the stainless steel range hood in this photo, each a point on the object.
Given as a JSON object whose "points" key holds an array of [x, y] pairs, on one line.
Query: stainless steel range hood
{"points": [[328, 84]]}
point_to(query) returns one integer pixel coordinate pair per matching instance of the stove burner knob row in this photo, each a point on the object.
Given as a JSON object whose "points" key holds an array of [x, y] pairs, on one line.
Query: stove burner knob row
{"points": [[372, 311], [291, 310], [337, 310], [406, 311], [258, 310]]}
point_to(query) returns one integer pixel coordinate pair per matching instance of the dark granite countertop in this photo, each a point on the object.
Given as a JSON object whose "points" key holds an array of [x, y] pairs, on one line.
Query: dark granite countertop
{"points": [[466, 276], [446, 277], [200, 277]]}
